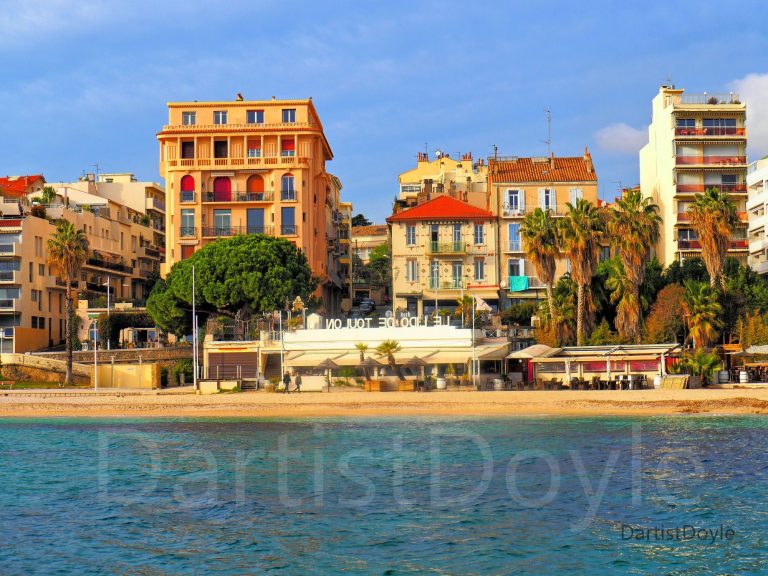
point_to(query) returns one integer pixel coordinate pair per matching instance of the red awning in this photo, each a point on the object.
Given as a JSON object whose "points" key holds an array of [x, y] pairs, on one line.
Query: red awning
{"points": [[288, 144]]}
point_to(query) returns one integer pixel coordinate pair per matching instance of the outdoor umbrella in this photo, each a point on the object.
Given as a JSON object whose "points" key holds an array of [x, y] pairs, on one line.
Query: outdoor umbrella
{"points": [[370, 363], [417, 362], [328, 365]]}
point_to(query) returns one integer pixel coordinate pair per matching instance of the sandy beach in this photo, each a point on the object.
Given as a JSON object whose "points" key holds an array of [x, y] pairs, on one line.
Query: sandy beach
{"points": [[356, 403]]}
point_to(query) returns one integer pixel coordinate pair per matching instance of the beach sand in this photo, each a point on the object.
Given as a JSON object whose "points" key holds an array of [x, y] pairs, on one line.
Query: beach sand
{"points": [[357, 403]]}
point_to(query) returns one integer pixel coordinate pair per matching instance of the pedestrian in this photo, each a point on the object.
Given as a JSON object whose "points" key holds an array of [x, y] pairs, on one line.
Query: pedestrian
{"points": [[286, 382], [298, 382]]}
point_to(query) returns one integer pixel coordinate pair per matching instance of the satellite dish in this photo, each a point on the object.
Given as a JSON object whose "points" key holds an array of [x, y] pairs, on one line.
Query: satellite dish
{"points": [[438, 153]]}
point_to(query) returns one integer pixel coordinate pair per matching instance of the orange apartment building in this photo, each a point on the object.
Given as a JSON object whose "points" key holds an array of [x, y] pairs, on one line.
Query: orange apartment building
{"points": [[255, 167]]}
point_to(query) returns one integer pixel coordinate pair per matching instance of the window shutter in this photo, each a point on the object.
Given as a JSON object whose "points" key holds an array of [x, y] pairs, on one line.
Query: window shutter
{"points": [[541, 198], [521, 199], [553, 200]]}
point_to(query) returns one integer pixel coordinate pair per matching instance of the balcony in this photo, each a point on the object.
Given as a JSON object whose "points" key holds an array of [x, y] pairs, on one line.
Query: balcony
{"points": [[229, 231], [7, 303], [447, 248], [451, 284], [188, 231], [238, 163], [235, 196], [289, 230], [9, 249], [147, 252], [738, 244], [683, 217], [514, 246], [761, 267], [247, 128], [711, 99], [10, 222], [700, 188], [116, 266], [711, 160], [711, 131], [521, 283], [155, 204], [11, 276], [758, 244], [187, 196]]}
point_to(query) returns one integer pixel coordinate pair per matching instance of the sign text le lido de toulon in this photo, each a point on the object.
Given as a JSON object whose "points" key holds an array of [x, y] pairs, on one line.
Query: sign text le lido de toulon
{"points": [[392, 322]]}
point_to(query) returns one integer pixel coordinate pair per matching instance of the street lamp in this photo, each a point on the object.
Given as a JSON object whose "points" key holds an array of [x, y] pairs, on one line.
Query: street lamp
{"points": [[95, 327]]}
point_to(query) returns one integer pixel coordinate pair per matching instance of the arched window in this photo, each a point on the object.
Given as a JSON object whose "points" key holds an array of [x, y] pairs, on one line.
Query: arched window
{"points": [[187, 188], [222, 189], [287, 189]]}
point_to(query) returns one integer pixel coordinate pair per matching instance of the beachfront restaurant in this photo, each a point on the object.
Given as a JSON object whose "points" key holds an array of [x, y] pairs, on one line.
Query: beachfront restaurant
{"points": [[612, 367], [328, 351]]}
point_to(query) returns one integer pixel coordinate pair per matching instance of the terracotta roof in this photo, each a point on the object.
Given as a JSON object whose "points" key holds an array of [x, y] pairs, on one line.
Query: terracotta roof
{"points": [[565, 169], [442, 208], [18, 184], [375, 230]]}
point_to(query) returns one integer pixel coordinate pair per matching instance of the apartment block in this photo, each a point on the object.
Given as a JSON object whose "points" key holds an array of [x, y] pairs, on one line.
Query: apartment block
{"points": [[364, 240], [441, 249], [757, 203], [253, 167], [123, 256], [516, 187], [695, 142]]}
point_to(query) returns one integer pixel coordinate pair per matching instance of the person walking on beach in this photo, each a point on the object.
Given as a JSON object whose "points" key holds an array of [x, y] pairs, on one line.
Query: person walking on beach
{"points": [[298, 383], [286, 382]]}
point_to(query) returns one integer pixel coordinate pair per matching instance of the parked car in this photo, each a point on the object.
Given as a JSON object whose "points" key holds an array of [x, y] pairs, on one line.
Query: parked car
{"points": [[368, 302]]}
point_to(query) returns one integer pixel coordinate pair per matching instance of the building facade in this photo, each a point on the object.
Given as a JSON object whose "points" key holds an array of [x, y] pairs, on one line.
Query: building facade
{"points": [[122, 259], [517, 186], [364, 240], [757, 202], [441, 249], [695, 142], [252, 167]]}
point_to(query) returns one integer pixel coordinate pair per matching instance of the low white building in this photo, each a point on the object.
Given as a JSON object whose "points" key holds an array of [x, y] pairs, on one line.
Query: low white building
{"points": [[757, 202]]}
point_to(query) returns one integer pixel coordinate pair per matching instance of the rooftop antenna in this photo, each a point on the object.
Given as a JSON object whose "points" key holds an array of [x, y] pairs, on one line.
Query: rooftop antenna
{"points": [[495, 152], [621, 188], [548, 141], [97, 169]]}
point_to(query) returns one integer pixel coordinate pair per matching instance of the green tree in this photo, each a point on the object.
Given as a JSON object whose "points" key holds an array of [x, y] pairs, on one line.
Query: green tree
{"points": [[48, 195], [633, 225], [379, 263], [389, 348], [713, 215], [67, 252], [580, 233], [169, 313], [603, 335], [701, 312], [362, 347], [689, 269], [361, 220], [542, 246], [625, 295]]}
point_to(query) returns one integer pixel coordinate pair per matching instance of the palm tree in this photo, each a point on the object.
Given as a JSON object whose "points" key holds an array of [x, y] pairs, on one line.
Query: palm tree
{"points": [[634, 228], [363, 348], [580, 233], [542, 246], [703, 363], [627, 301], [713, 215], [464, 308], [389, 348], [701, 312], [67, 252]]}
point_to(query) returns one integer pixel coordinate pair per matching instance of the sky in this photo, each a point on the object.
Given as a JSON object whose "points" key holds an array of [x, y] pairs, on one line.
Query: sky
{"points": [[86, 82]]}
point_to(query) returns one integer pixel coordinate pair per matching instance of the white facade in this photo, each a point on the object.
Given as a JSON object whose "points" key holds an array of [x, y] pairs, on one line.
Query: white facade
{"points": [[757, 188]]}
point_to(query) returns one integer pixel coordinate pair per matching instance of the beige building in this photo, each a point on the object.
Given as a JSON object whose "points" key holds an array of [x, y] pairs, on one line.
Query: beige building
{"points": [[364, 240], [441, 249], [462, 179], [757, 203], [695, 142], [517, 186], [122, 257], [248, 167]]}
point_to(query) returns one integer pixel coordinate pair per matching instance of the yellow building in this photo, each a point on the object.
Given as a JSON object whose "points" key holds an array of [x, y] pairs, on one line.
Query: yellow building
{"points": [[441, 249], [462, 179], [695, 142], [123, 255], [247, 167], [517, 186]]}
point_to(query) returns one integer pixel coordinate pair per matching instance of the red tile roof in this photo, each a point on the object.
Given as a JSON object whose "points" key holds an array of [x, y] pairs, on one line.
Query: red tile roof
{"points": [[17, 185], [374, 230], [566, 169], [442, 208]]}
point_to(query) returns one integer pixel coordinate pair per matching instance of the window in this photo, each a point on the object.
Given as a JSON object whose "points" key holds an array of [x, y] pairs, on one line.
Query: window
{"points": [[41, 322], [410, 235], [289, 115], [41, 269], [254, 149], [515, 203], [287, 147], [187, 251], [479, 269], [513, 231], [412, 270], [547, 199], [220, 117], [187, 150], [516, 267], [189, 118], [287, 221], [31, 271], [222, 222], [187, 193], [456, 235], [410, 188], [34, 321], [220, 149], [254, 116], [187, 222], [479, 234], [686, 123], [34, 295], [287, 190], [576, 194]]}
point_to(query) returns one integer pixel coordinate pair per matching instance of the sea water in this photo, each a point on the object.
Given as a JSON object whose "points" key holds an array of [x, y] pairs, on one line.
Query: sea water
{"points": [[673, 495]]}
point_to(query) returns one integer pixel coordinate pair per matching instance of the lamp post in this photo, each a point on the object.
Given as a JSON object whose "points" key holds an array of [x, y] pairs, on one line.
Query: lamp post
{"points": [[474, 358], [95, 327], [194, 334]]}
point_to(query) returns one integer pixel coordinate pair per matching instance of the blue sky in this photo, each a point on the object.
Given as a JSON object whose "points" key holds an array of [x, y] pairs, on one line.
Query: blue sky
{"points": [[86, 82]]}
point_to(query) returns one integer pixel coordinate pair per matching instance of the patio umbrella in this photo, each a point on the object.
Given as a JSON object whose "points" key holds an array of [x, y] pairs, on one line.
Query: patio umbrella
{"points": [[328, 365], [370, 363], [417, 362]]}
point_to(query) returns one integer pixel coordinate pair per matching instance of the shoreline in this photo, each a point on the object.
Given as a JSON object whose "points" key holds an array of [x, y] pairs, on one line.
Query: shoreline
{"points": [[125, 403]]}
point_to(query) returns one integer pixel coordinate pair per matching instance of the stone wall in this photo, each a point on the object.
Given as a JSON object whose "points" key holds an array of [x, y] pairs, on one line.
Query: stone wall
{"points": [[162, 356]]}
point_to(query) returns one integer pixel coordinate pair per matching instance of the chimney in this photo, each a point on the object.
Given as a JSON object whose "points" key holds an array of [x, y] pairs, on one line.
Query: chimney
{"points": [[427, 190], [423, 157], [588, 161], [552, 161], [467, 156]]}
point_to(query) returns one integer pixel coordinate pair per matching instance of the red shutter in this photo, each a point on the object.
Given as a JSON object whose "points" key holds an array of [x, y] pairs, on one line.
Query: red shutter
{"points": [[288, 144]]}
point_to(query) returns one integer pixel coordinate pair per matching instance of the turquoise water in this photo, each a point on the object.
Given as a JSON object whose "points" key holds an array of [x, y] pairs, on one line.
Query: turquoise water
{"points": [[382, 496]]}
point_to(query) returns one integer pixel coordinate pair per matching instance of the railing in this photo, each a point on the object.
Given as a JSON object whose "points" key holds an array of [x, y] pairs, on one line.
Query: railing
{"points": [[271, 161], [711, 160], [188, 231], [447, 248], [10, 222], [519, 283], [689, 245], [235, 196], [683, 217], [187, 196], [288, 229], [740, 244], [512, 210], [514, 246], [452, 284], [237, 127], [288, 195], [343, 234], [706, 98], [109, 265], [699, 188], [7, 303], [8, 275], [7, 249], [711, 131], [225, 231]]}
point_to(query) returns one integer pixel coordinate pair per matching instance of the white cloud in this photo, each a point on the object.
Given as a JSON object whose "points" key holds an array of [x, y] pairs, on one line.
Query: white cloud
{"points": [[753, 90], [621, 138]]}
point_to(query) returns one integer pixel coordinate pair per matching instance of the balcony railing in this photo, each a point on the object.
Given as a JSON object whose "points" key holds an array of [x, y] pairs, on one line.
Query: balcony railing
{"points": [[9, 276], [520, 283], [450, 284], [707, 98], [235, 196], [711, 160], [187, 231], [238, 162], [117, 266], [227, 231], [689, 245], [447, 247], [699, 188], [188, 196], [288, 230], [515, 246], [237, 127], [740, 244], [711, 131]]}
